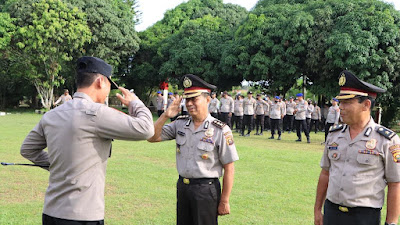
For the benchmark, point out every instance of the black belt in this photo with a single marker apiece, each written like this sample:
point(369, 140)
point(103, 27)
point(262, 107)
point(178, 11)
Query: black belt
point(346, 209)
point(197, 180)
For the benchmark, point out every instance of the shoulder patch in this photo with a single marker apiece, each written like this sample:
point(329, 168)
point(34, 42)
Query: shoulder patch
point(218, 123)
point(388, 134)
point(336, 127)
point(182, 117)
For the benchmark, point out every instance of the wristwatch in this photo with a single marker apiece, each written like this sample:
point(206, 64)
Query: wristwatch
point(390, 223)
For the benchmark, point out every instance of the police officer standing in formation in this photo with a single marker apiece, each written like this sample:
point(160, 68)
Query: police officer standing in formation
point(78, 136)
point(332, 117)
point(300, 117)
point(360, 158)
point(283, 104)
point(310, 109)
point(213, 107)
point(160, 103)
point(238, 113)
point(290, 106)
point(226, 108)
point(267, 121)
point(204, 152)
point(249, 106)
point(259, 111)
point(315, 117)
point(276, 113)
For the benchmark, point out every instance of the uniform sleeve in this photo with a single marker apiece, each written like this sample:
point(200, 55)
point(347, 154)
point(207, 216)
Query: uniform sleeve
point(226, 147)
point(337, 115)
point(113, 124)
point(325, 161)
point(232, 106)
point(33, 145)
point(392, 160)
point(169, 131)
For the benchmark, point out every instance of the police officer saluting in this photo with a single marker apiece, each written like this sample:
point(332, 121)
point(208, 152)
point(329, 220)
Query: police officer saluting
point(359, 160)
point(78, 137)
point(204, 149)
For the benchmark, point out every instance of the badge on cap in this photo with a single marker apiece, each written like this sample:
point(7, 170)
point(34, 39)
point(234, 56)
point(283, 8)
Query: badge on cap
point(187, 83)
point(209, 132)
point(371, 144)
point(342, 79)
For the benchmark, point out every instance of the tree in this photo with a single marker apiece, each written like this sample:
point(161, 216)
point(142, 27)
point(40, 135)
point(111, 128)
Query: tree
point(48, 37)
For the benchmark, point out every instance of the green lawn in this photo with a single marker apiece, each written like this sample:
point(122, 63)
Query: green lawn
point(275, 180)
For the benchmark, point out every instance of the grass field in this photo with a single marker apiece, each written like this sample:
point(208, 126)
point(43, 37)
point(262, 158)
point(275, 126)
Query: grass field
point(275, 181)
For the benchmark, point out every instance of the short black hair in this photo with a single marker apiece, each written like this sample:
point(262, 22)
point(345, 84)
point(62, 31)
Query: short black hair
point(363, 98)
point(85, 79)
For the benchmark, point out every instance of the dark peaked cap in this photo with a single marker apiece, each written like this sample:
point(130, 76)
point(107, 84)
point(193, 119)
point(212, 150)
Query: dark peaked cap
point(351, 87)
point(89, 64)
point(194, 86)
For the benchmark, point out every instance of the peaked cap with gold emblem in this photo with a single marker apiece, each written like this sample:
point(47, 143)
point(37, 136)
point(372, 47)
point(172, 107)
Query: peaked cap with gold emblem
point(351, 87)
point(194, 86)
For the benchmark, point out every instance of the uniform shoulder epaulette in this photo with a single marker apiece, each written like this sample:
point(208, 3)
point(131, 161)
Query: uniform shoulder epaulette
point(388, 134)
point(336, 127)
point(182, 117)
point(218, 123)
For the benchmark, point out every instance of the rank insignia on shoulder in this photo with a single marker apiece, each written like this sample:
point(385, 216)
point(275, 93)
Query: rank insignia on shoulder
point(336, 127)
point(218, 123)
point(388, 134)
point(182, 117)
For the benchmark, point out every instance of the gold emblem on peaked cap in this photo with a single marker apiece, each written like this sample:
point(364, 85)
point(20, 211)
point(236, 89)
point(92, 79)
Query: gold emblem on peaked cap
point(342, 79)
point(187, 83)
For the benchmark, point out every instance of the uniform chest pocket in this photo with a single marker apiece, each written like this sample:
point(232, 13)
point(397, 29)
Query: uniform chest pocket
point(367, 159)
point(180, 140)
point(334, 155)
point(205, 150)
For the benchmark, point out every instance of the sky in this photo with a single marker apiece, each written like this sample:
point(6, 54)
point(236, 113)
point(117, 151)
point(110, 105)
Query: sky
point(153, 10)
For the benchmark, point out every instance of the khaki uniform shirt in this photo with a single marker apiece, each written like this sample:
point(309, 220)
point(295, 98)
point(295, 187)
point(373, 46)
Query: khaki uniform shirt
point(160, 103)
point(310, 109)
point(249, 106)
point(290, 106)
point(78, 137)
point(227, 105)
point(201, 153)
point(359, 168)
point(301, 110)
point(238, 107)
point(266, 108)
point(260, 106)
point(316, 113)
point(333, 115)
point(276, 110)
point(214, 105)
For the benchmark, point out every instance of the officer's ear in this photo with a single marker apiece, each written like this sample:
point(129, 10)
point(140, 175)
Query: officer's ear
point(366, 105)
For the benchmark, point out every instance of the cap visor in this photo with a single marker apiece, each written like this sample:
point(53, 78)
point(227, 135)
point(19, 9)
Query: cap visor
point(113, 84)
point(343, 97)
point(191, 95)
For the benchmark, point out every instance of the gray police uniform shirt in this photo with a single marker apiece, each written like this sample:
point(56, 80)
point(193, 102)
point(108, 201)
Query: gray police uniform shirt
point(170, 101)
point(214, 105)
point(301, 107)
point(78, 136)
point(260, 107)
point(160, 103)
point(276, 111)
point(249, 106)
point(227, 105)
point(316, 113)
point(201, 153)
point(290, 106)
point(238, 111)
point(266, 108)
point(333, 115)
point(359, 168)
point(310, 109)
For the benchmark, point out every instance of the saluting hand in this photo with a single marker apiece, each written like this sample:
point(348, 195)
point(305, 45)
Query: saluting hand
point(224, 208)
point(174, 108)
point(126, 96)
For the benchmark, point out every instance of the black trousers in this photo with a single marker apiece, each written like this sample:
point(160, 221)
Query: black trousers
point(314, 123)
point(289, 122)
point(308, 121)
point(49, 220)
point(159, 112)
point(275, 124)
point(260, 122)
point(357, 215)
point(327, 126)
point(198, 201)
point(238, 120)
point(226, 118)
point(247, 121)
point(301, 124)
point(267, 123)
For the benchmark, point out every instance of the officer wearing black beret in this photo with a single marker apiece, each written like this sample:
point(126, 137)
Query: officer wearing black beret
point(360, 159)
point(205, 151)
point(78, 136)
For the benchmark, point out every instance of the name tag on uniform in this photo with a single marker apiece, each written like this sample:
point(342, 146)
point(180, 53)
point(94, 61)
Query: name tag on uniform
point(181, 133)
point(333, 146)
